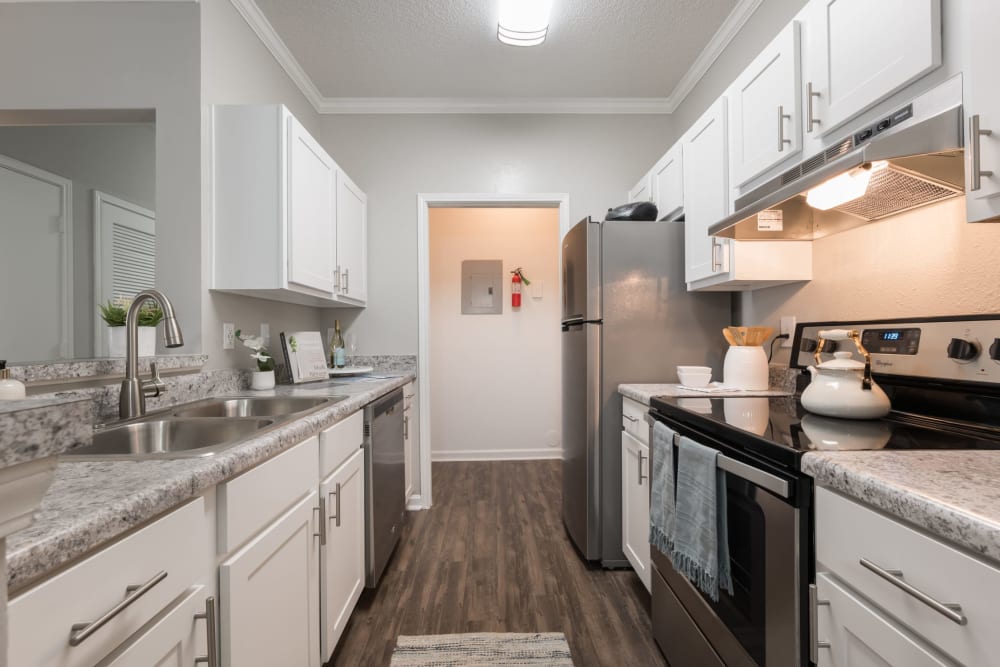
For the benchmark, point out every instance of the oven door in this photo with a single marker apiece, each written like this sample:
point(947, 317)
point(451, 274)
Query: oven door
point(761, 623)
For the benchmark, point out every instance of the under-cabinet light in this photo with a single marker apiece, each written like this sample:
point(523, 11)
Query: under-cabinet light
point(523, 22)
point(844, 187)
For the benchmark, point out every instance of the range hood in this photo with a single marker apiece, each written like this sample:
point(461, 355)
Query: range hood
point(904, 160)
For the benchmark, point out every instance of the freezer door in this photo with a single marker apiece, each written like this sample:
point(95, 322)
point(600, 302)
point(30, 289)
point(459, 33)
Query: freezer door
point(581, 271)
point(581, 344)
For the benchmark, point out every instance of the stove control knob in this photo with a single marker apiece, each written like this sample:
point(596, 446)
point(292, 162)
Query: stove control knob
point(960, 349)
point(995, 350)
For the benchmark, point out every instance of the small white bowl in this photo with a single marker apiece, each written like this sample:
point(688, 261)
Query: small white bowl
point(694, 376)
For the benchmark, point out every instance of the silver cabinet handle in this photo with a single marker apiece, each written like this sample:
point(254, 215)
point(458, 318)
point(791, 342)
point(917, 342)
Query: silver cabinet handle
point(975, 134)
point(212, 632)
point(814, 643)
point(641, 477)
point(336, 517)
point(782, 116)
point(716, 263)
point(953, 612)
point(810, 94)
point(79, 632)
point(406, 426)
point(630, 418)
point(322, 524)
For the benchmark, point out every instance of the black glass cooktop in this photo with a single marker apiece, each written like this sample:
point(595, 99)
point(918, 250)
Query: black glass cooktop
point(780, 429)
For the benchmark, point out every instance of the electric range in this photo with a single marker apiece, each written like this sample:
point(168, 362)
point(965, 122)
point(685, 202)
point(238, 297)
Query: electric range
point(942, 376)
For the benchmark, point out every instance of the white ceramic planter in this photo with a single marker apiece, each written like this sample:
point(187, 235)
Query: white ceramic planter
point(260, 380)
point(745, 367)
point(116, 341)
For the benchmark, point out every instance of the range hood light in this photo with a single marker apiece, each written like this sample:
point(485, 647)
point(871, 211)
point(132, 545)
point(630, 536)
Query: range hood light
point(523, 22)
point(842, 188)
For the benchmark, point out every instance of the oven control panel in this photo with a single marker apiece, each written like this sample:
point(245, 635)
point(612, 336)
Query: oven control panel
point(965, 348)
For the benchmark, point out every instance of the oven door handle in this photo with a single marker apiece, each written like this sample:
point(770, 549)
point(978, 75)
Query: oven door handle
point(756, 476)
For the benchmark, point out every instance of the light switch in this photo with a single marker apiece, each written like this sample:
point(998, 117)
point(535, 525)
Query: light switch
point(537, 288)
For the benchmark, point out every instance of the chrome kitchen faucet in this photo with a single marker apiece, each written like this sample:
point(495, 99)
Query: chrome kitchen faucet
point(132, 400)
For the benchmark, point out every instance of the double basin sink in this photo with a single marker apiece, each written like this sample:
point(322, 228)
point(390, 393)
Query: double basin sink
point(201, 428)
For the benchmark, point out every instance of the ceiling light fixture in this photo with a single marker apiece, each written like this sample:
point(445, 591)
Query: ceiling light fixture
point(523, 22)
point(843, 188)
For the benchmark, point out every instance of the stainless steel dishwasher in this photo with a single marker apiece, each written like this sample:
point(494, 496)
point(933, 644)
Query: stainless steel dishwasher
point(385, 481)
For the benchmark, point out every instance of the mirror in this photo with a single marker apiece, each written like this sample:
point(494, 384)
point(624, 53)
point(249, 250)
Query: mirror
point(77, 223)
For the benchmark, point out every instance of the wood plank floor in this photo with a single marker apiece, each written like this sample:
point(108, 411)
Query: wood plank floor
point(492, 556)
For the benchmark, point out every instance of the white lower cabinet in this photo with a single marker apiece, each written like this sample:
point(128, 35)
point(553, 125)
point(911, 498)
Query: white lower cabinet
point(175, 640)
point(635, 506)
point(855, 634)
point(269, 594)
point(342, 557)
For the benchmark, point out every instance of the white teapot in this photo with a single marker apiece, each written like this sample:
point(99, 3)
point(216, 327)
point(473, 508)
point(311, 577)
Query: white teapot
point(843, 387)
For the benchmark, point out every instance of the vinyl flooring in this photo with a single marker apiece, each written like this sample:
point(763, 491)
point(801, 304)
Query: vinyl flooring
point(492, 555)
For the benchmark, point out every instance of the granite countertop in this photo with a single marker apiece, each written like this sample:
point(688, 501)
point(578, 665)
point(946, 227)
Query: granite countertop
point(35, 428)
point(92, 502)
point(645, 392)
point(952, 494)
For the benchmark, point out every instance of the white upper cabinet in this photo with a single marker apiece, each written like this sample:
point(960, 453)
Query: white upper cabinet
point(706, 197)
point(982, 109)
point(641, 191)
point(859, 52)
point(352, 240)
point(279, 229)
point(765, 103)
point(312, 223)
point(667, 179)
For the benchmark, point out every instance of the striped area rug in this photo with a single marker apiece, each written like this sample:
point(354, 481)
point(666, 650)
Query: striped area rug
point(495, 649)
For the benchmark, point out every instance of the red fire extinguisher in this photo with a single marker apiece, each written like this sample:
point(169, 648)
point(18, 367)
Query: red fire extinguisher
point(515, 287)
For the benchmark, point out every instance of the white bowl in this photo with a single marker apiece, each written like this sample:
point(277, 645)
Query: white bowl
point(689, 377)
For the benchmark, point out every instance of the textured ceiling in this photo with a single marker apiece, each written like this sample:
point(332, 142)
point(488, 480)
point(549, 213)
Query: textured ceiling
point(448, 48)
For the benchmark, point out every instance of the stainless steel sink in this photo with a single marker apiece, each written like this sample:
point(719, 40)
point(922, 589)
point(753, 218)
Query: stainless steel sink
point(170, 438)
point(254, 406)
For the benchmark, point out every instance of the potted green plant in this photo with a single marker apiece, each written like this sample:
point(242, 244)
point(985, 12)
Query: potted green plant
point(114, 313)
point(263, 377)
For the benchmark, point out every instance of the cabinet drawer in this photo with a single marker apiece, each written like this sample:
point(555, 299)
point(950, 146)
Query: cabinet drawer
point(339, 442)
point(40, 619)
point(634, 419)
point(256, 498)
point(847, 532)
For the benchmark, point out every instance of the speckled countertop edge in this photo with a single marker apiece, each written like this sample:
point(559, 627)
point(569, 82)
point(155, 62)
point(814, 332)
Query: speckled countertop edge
point(645, 392)
point(92, 502)
point(952, 494)
point(33, 428)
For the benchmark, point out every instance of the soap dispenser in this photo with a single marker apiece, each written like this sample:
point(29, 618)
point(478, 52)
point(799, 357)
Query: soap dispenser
point(10, 389)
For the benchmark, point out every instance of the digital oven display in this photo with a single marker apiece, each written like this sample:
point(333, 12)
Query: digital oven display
point(891, 341)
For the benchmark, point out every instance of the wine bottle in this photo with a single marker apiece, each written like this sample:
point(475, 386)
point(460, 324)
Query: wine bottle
point(337, 345)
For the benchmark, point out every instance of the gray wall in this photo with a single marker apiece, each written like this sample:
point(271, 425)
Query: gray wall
point(123, 56)
point(116, 159)
point(238, 69)
point(593, 158)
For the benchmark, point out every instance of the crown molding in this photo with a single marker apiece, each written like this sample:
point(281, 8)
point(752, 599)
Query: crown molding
point(737, 18)
point(497, 105)
point(251, 13)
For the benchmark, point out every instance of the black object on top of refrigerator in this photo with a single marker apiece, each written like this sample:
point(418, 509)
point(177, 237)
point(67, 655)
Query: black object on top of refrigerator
point(627, 318)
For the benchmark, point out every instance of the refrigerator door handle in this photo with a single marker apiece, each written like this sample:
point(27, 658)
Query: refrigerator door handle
point(578, 322)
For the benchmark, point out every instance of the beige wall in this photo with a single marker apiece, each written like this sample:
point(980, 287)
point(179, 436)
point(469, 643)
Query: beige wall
point(595, 159)
point(495, 379)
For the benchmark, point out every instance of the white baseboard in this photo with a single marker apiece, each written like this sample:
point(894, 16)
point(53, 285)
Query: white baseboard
point(415, 503)
point(496, 455)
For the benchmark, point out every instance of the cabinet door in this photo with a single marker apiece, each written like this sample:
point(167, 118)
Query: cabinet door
point(641, 191)
point(668, 183)
point(352, 239)
point(861, 637)
point(311, 222)
point(861, 52)
point(706, 196)
point(765, 103)
point(982, 98)
point(269, 594)
point(173, 641)
point(635, 506)
point(342, 564)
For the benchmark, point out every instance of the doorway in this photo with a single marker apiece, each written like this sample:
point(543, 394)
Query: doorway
point(488, 399)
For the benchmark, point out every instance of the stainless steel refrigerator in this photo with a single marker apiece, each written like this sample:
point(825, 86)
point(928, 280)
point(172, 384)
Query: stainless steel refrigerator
point(627, 318)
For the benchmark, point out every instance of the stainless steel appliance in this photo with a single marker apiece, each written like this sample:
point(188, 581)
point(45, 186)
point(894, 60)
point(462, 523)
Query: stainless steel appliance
point(944, 384)
point(385, 505)
point(627, 317)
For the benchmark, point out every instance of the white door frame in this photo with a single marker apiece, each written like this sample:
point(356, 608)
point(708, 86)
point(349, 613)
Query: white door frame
point(66, 336)
point(424, 203)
